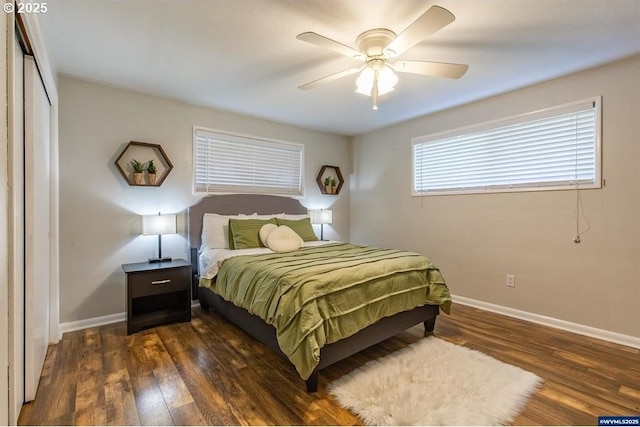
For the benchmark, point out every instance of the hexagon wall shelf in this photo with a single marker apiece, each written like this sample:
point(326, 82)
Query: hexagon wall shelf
point(144, 152)
point(327, 171)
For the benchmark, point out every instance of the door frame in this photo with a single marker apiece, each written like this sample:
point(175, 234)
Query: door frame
point(4, 234)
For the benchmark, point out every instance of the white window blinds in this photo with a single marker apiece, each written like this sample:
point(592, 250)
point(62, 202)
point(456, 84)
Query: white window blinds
point(554, 149)
point(229, 163)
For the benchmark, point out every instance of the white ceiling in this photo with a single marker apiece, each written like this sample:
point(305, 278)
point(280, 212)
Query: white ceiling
point(243, 55)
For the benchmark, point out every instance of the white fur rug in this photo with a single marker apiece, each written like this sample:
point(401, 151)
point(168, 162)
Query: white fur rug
point(434, 382)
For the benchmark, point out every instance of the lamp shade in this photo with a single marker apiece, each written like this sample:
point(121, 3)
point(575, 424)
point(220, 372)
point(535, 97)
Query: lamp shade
point(387, 80)
point(364, 83)
point(158, 224)
point(383, 78)
point(321, 216)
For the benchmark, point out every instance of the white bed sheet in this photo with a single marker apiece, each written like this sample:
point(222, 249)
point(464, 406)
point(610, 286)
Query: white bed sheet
point(209, 261)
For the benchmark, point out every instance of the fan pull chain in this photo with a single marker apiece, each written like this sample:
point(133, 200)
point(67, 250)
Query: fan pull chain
point(374, 90)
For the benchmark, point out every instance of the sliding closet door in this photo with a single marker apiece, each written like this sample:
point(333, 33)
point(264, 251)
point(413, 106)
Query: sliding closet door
point(37, 224)
point(16, 238)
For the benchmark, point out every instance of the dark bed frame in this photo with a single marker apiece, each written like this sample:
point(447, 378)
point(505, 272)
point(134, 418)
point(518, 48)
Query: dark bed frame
point(331, 353)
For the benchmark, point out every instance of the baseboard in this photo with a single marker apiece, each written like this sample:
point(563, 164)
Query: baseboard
point(92, 323)
point(589, 331)
point(614, 337)
point(100, 321)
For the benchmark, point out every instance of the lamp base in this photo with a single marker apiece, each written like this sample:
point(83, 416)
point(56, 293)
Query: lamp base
point(163, 259)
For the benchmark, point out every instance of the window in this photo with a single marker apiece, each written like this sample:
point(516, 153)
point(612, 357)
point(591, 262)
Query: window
point(231, 163)
point(558, 148)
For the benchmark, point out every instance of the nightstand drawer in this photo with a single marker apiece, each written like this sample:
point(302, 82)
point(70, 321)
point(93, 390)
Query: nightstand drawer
point(159, 282)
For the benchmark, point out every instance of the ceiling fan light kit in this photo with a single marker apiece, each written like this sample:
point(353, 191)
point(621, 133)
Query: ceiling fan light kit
point(376, 80)
point(376, 47)
point(383, 78)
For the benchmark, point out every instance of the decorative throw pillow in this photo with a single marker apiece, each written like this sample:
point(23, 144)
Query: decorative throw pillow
point(245, 233)
point(283, 239)
point(265, 230)
point(301, 226)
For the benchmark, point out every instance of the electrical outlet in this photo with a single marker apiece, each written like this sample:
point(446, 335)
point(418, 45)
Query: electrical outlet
point(511, 281)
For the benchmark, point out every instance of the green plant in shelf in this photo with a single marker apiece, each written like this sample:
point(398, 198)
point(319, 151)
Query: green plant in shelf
point(330, 185)
point(137, 166)
point(151, 168)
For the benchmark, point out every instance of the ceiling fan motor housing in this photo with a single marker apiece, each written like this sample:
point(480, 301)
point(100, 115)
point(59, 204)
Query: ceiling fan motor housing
point(373, 42)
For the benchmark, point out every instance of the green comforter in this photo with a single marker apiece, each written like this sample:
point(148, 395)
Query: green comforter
point(319, 295)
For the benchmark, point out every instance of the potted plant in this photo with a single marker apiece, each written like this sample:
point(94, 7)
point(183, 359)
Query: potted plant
point(138, 170)
point(330, 185)
point(151, 172)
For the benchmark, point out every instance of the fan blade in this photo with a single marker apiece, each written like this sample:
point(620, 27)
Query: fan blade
point(333, 45)
point(438, 69)
point(330, 78)
point(434, 19)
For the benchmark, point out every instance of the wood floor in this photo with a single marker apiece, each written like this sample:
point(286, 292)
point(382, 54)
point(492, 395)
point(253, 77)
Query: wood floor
point(210, 372)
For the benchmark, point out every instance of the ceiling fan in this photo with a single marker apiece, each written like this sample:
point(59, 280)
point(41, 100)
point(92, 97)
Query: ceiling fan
point(378, 47)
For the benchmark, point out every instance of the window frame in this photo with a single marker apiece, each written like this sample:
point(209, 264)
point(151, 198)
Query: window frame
point(249, 139)
point(507, 121)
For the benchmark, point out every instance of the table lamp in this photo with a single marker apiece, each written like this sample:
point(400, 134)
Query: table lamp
point(321, 216)
point(153, 225)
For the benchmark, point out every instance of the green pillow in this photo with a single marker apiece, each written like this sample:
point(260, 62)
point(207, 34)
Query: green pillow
point(245, 233)
point(302, 227)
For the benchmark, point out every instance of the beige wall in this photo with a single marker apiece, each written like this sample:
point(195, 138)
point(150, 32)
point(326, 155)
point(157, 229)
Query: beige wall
point(100, 214)
point(477, 239)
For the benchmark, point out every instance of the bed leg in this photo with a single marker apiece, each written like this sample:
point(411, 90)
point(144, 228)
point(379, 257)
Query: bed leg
point(204, 307)
point(430, 325)
point(312, 382)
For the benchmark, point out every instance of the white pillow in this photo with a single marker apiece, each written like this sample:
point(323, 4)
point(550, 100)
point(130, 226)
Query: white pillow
point(215, 231)
point(292, 216)
point(283, 239)
point(264, 232)
point(256, 216)
point(269, 216)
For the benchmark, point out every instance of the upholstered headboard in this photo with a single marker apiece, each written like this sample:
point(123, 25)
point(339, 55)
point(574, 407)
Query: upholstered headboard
point(232, 204)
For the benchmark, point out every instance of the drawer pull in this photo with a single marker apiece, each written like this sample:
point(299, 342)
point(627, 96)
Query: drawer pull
point(161, 282)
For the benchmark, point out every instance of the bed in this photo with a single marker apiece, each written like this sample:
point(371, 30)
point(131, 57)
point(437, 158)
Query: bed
point(212, 295)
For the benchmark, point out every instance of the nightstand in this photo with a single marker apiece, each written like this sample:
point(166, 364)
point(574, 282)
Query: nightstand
point(157, 293)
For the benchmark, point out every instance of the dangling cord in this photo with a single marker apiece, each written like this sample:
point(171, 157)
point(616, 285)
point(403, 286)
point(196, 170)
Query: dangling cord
point(579, 210)
point(576, 214)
